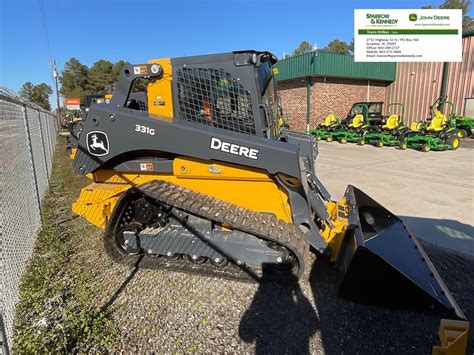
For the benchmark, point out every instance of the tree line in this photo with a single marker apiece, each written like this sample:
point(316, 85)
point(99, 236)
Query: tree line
point(39, 94)
point(78, 80)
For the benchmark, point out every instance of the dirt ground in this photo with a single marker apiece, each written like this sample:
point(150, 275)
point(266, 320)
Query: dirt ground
point(162, 311)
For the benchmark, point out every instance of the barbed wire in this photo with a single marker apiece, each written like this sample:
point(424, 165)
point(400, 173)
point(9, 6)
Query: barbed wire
point(12, 95)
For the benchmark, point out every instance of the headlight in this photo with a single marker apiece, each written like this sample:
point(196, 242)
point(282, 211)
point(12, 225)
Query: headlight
point(156, 69)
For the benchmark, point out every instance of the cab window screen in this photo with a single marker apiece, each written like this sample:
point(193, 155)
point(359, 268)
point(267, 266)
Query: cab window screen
point(213, 97)
point(264, 75)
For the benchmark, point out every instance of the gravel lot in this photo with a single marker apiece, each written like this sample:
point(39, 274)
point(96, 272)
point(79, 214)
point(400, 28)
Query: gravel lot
point(165, 311)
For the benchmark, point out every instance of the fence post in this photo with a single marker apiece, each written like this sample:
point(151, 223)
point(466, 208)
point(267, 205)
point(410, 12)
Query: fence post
point(32, 160)
point(50, 139)
point(3, 337)
point(44, 148)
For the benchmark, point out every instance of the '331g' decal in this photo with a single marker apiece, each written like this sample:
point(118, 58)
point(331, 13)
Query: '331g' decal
point(144, 129)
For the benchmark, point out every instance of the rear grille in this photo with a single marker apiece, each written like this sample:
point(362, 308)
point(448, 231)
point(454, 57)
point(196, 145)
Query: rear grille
point(212, 97)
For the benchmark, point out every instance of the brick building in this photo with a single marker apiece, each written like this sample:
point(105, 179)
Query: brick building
point(327, 95)
point(315, 84)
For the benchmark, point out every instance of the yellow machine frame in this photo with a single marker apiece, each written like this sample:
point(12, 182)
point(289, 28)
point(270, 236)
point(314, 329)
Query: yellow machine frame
point(160, 99)
point(223, 181)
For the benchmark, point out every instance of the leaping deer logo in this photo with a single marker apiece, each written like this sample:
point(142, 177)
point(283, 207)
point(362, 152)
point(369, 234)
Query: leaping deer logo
point(97, 143)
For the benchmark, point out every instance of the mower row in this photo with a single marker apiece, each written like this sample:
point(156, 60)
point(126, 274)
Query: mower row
point(440, 132)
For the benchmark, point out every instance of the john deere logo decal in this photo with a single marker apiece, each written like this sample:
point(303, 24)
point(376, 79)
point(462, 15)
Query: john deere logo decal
point(413, 17)
point(97, 143)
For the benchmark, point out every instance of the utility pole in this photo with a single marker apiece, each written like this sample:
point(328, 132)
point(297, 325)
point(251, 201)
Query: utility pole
point(55, 75)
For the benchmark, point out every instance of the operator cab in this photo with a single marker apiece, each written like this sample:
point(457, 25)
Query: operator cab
point(234, 91)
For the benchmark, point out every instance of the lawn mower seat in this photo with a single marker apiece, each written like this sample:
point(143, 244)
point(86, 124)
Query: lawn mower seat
point(357, 121)
point(416, 126)
point(438, 122)
point(329, 121)
point(392, 123)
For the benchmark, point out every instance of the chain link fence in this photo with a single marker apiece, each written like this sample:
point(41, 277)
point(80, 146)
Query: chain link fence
point(27, 141)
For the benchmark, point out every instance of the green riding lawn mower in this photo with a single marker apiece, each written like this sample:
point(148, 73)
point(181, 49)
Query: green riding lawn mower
point(354, 131)
point(391, 133)
point(465, 126)
point(324, 130)
point(438, 133)
point(360, 116)
point(365, 124)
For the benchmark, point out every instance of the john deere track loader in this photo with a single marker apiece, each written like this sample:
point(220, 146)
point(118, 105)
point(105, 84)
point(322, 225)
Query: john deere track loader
point(205, 181)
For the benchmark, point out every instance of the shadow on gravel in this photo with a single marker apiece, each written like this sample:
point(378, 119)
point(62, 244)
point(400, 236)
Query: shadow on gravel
point(122, 287)
point(280, 319)
point(355, 328)
point(445, 233)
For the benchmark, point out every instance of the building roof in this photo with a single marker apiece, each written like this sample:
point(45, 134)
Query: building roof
point(469, 31)
point(323, 63)
point(326, 64)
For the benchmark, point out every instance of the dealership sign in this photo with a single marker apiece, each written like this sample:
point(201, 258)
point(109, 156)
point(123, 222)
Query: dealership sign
point(408, 35)
point(73, 104)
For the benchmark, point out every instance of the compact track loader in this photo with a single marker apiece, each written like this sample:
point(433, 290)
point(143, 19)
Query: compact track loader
point(206, 181)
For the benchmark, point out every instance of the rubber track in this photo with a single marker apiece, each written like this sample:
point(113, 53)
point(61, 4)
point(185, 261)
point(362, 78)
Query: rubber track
point(264, 226)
